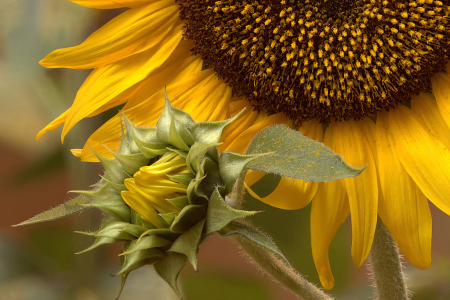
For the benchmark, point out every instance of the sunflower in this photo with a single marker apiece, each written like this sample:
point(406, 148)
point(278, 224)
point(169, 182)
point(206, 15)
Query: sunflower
point(371, 71)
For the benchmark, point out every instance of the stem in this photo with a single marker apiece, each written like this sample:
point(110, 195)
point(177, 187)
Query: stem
point(386, 266)
point(281, 272)
point(237, 196)
point(273, 266)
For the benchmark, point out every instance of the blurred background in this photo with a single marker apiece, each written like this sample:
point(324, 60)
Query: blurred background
point(37, 262)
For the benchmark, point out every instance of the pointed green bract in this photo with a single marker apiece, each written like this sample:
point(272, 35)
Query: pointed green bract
point(140, 258)
point(169, 267)
point(220, 214)
point(147, 242)
point(188, 242)
point(231, 165)
point(297, 156)
point(187, 217)
point(73, 206)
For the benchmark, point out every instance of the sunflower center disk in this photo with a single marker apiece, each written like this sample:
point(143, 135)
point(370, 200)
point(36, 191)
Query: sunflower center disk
point(322, 59)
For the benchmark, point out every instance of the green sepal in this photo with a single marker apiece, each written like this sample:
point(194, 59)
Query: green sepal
point(188, 242)
point(151, 150)
point(114, 170)
point(296, 156)
point(231, 165)
point(131, 162)
point(212, 177)
point(161, 232)
point(169, 267)
point(179, 136)
point(134, 230)
point(124, 275)
point(131, 146)
point(219, 213)
point(196, 153)
point(118, 187)
point(119, 230)
point(99, 242)
point(169, 217)
point(182, 153)
point(187, 217)
point(103, 190)
point(140, 258)
point(73, 206)
point(113, 205)
point(179, 202)
point(253, 235)
point(194, 199)
point(165, 120)
point(183, 179)
point(211, 132)
point(146, 242)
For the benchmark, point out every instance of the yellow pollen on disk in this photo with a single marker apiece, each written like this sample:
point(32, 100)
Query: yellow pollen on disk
point(322, 59)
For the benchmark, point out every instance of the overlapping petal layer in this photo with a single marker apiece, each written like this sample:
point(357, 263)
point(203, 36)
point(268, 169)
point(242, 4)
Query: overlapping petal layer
point(402, 206)
point(141, 51)
point(132, 32)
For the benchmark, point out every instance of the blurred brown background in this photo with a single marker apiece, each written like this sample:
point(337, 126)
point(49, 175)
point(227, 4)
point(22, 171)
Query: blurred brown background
point(37, 262)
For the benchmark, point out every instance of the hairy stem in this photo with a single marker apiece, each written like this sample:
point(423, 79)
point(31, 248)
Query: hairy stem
point(281, 272)
point(386, 266)
point(275, 267)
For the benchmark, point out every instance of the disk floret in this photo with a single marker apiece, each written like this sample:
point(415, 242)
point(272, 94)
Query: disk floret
point(322, 59)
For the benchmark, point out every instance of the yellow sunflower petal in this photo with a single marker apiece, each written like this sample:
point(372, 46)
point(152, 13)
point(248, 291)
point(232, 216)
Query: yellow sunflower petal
point(105, 83)
point(441, 90)
point(245, 120)
point(110, 4)
point(403, 208)
point(132, 32)
point(329, 209)
point(425, 158)
point(53, 125)
point(426, 108)
point(290, 194)
point(362, 191)
point(142, 207)
point(182, 91)
point(241, 143)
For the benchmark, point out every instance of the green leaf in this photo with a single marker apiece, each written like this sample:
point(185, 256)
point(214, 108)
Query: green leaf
point(169, 267)
point(219, 213)
point(147, 242)
point(66, 209)
point(297, 156)
point(188, 242)
point(187, 217)
point(231, 165)
point(183, 178)
point(252, 234)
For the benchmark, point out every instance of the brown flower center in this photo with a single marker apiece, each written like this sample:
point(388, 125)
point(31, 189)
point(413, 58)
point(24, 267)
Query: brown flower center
point(322, 59)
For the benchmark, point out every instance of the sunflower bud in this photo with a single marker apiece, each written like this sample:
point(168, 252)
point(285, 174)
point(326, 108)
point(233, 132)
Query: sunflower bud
point(164, 192)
